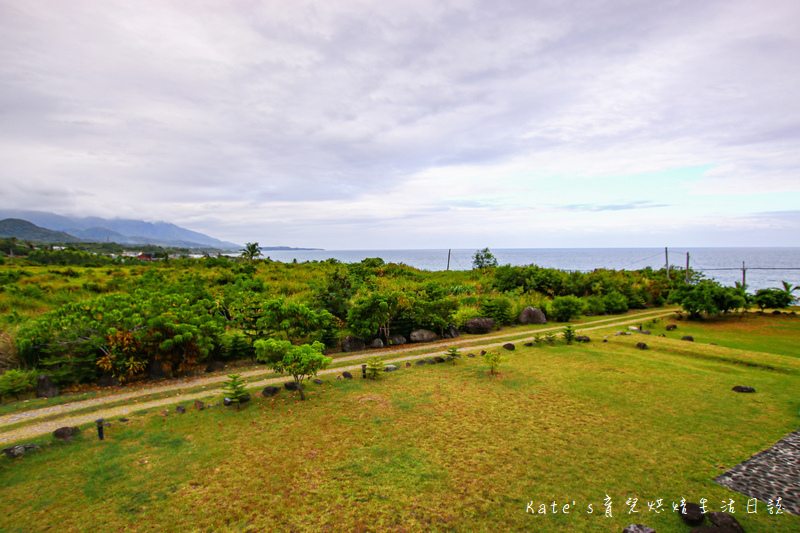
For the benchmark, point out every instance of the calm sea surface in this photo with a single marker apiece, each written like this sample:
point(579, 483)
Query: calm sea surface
point(706, 260)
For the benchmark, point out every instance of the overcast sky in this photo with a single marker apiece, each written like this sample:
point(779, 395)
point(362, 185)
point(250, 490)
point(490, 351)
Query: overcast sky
point(410, 124)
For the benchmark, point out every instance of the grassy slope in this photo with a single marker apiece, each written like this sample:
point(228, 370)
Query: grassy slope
point(444, 448)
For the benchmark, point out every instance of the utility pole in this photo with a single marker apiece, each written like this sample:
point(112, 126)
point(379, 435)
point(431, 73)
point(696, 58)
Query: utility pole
point(687, 267)
point(448, 259)
point(666, 252)
point(744, 276)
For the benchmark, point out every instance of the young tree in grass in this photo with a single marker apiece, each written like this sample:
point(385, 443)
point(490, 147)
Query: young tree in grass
point(301, 362)
point(569, 333)
point(452, 353)
point(492, 359)
point(374, 368)
point(233, 389)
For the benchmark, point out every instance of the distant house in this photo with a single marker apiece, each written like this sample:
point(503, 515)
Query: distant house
point(145, 257)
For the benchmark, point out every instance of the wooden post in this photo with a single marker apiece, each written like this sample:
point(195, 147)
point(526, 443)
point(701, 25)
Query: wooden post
point(448, 259)
point(666, 252)
point(687, 267)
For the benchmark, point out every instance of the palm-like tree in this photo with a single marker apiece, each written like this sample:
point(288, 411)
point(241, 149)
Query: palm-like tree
point(788, 290)
point(251, 250)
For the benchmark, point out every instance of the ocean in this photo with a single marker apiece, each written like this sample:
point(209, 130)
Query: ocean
point(765, 267)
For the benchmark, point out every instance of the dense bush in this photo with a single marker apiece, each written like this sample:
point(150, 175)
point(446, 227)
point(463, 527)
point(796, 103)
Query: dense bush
point(565, 308)
point(17, 382)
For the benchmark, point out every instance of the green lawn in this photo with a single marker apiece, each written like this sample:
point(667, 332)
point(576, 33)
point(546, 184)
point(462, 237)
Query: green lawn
point(444, 448)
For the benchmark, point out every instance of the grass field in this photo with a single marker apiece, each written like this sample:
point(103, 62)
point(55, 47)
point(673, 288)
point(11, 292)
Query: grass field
point(446, 447)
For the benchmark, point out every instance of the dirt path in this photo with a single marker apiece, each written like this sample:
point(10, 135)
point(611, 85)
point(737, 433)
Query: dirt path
point(389, 357)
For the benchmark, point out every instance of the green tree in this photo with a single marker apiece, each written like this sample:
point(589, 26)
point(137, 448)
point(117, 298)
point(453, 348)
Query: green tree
point(251, 250)
point(788, 289)
point(295, 320)
point(374, 313)
point(483, 259)
point(772, 299)
point(301, 362)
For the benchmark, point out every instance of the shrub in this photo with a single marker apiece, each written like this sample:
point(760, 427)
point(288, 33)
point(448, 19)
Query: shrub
point(565, 308)
point(772, 299)
point(615, 303)
point(595, 305)
point(17, 382)
point(499, 309)
point(464, 314)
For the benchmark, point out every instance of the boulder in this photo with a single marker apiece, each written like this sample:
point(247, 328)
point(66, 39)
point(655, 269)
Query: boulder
point(470, 354)
point(20, 449)
point(352, 344)
point(199, 405)
point(215, 366)
point(317, 381)
point(582, 338)
point(662, 335)
point(687, 338)
point(671, 327)
point(397, 340)
point(638, 528)
point(645, 332)
point(431, 361)
point(633, 328)
point(347, 375)
point(692, 514)
point(641, 345)
point(532, 315)
point(439, 359)
point(423, 335)
point(528, 344)
point(509, 346)
point(376, 344)
point(107, 380)
point(164, 413)
point(479, 326)
point(270, 391)
point(483, 352)
point(776, 312)
point(421, 362)
point(227, 402)
point(291, 386)
point(244, 398)
point(45, 388)
point(390, 368)
point(724, 520)
point(408, 365)
point(180, 409)
point(66, 433)
point(709, 529)
point(742, 388)
point(451, 332)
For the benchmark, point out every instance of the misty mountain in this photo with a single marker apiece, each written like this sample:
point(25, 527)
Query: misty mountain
point(25, 231)
point(121, 231)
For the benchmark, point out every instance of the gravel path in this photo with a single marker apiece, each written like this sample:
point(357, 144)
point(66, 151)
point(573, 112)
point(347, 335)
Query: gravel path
point(389, 357)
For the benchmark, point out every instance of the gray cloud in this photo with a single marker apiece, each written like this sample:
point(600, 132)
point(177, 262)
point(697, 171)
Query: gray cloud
point(182, 112)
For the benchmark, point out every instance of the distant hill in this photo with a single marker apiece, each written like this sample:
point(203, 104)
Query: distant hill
point(25, 231)
point(120, 230)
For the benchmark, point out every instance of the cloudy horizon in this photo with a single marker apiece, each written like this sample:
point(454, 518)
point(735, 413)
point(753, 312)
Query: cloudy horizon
point(409, 124)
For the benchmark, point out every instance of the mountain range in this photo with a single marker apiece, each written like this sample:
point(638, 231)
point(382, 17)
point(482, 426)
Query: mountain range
point(121, 231)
